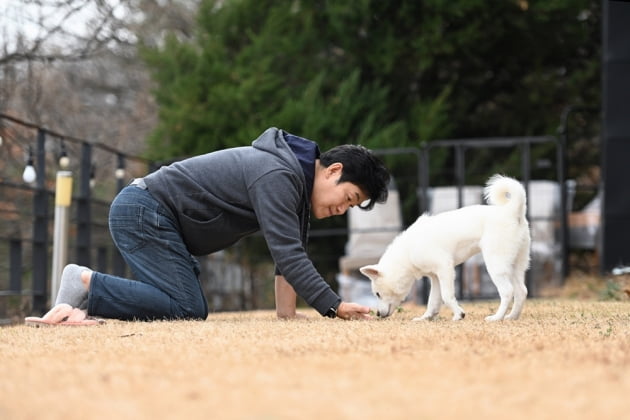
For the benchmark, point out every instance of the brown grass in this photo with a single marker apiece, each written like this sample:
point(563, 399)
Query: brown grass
point(564, 359)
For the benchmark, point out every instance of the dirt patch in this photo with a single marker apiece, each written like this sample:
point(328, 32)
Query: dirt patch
point(563, 359)
point(583, 285)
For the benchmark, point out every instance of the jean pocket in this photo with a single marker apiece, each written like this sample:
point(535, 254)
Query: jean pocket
point(126, 226)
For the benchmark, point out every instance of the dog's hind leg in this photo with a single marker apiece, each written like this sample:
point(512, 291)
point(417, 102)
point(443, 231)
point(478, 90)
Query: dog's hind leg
point(434, 303)
point(500, 265)
point(446, 279)
point(520, 294)
point(501, 279)
point(518, 281)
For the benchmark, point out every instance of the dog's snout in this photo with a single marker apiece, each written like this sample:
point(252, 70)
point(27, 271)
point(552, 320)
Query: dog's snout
point(384, 313)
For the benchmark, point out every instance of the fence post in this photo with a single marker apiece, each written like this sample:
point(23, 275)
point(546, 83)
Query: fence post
point(460, 180)
point(119, 265)
point(15, 265)
point(84, 215)
point(40, 228)
point(101, 259)
point(526, 170)
point(561, 157)
point(63, 198)
point(423, 176)
point(460, 173)
point(120, 172)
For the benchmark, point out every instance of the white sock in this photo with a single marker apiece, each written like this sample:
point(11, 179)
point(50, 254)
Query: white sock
point(71, 290)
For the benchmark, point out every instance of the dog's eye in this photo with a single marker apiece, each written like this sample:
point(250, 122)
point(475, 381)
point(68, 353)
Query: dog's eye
point(378, 295)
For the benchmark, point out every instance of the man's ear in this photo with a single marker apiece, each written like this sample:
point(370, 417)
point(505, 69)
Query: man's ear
point(370, 271)
point(334, 169)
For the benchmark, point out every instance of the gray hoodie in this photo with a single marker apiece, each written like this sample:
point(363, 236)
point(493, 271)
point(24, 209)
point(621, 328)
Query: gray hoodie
point(220, 197)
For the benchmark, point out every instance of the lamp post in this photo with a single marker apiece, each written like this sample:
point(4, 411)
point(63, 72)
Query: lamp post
point(63, 199)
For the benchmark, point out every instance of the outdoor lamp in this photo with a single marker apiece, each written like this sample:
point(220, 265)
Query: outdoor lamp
point(64, 160)
point(29, 176)
point(92, 176)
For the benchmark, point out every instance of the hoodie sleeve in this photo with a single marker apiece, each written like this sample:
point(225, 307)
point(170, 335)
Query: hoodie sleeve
point(275, 197)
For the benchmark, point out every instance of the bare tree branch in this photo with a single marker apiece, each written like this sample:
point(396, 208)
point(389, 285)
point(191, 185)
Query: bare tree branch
point(57, 38)
point(72, 65)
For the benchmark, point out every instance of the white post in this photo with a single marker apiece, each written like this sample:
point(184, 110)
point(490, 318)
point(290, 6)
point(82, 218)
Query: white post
point(63, 198)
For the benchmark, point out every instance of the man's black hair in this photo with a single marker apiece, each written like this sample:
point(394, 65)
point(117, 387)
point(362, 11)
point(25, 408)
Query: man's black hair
point(362, 168)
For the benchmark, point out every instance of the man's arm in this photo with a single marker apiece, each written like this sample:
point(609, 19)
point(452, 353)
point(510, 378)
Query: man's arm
point(286, 301)
point(286, 298)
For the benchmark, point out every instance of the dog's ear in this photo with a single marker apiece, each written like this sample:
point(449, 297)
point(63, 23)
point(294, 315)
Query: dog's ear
point(370, 271)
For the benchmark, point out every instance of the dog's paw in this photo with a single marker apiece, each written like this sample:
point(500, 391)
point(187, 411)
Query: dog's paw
point(459, 316)
point(493, 318)
point(424, 318)
point(427, 316)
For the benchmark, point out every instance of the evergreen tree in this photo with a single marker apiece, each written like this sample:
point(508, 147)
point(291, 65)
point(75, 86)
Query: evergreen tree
point(384, 74)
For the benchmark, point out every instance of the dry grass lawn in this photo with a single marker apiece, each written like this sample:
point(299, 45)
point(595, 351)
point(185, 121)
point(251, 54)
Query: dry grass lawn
point(565, 359)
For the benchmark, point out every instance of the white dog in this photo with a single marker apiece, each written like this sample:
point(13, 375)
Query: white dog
point(434, 245)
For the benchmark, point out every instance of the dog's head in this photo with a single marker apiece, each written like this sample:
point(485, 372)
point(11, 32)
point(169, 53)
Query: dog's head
point(389, 289)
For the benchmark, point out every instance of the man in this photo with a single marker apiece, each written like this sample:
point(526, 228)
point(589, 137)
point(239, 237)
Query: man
point(205, 204)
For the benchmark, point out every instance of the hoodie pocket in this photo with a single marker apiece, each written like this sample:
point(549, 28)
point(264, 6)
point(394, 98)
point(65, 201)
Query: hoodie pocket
point(214, 233)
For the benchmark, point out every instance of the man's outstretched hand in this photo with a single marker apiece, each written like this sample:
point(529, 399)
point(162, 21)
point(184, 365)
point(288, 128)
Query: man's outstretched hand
point(351, 311)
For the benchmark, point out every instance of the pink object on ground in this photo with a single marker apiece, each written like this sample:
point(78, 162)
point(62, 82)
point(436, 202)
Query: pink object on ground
point(63, 315)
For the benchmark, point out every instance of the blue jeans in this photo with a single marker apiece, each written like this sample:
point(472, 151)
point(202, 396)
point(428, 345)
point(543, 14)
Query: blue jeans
point(166, 284)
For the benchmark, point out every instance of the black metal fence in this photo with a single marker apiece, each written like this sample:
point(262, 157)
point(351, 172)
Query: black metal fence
point(532, 167)
point(231, 281)
point(30, 156)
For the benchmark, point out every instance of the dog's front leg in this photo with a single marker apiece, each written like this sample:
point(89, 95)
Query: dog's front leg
point(447, 285)
point(434, 303)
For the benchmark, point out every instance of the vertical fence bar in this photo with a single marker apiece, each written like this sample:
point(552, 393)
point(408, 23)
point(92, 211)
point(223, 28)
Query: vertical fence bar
point(423, 174)
point(15, 265)
point(420, 194)
point(84, 213)
point(526, 170)
point(460, 173)
point(119, 265)
point(561, 158)
point(101, 259)
point(120, 172)
point(460, 178)
point(40, 228)
point(526, 166)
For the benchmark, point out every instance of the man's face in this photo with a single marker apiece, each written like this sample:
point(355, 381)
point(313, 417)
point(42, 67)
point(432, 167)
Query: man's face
point(330, 198)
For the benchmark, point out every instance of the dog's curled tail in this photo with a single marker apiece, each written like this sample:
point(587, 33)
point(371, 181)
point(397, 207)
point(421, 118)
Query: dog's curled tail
point(502, 190)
